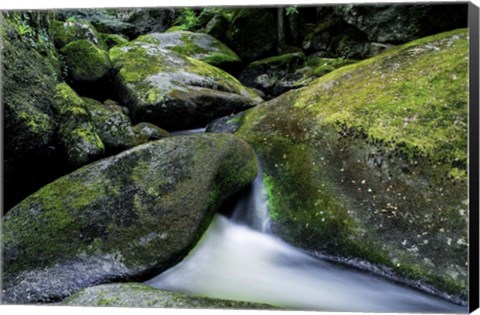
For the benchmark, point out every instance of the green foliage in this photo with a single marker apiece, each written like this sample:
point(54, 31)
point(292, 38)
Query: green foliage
point(291, 10)
point(187, 19)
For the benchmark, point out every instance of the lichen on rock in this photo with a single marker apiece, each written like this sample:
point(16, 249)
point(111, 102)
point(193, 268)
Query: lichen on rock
point(195, 45)
point(369, 161)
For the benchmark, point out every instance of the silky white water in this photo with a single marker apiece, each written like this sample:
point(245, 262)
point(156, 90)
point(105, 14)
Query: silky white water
point(237, 260)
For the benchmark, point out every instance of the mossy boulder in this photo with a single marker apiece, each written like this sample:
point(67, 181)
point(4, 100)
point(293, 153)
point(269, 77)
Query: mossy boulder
point(29, 77)
point(174, 91)
point(89, 130)
point(195, 45)
point(88, 66)
point(77, 133)
point(67, 32)
point(127, 217)
point(140, 295)
point(113, 127)
point(370, 162)
point(252, 34)
point(104, 20)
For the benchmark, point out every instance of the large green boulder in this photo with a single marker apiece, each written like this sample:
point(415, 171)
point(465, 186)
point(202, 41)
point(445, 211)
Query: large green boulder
point(174, 91)
point(196, 45)
point(252, 34)
point(370, 162)
point(140, 295)
point(127, 217)
point(88, 66)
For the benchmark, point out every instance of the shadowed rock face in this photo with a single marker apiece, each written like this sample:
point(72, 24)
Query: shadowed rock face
point(369, 161)
point(173, 91)
point(130, 216)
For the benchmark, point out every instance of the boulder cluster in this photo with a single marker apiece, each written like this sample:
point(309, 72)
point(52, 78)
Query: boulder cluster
point(357, 114)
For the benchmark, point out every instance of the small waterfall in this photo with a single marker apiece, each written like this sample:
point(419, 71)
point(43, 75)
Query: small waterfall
point(256, 202)
point(236, 260)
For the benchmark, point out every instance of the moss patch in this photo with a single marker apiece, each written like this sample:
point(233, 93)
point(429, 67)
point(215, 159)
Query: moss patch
point(86, 62)
point(369, 161)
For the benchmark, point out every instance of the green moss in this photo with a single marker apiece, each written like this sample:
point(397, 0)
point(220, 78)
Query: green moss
point(65, 97)
point(135, 63)
point(111, 40)
point(430, 89)
point(322, 66)
point(56, 230)
point(176, 29)
point(196, 45)
point(85, 61)
point(369, 161)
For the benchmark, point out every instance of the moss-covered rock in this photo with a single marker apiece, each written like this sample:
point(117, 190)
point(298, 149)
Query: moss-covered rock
point(90, 130)
point(67, 32)
point(113, 127)
point(127, 217)
point(252, 34)
point(174, 91)
point(29, 77)
point(104, 20)
point(370, 161)
point(195, 45)
point(140, 295)
point(87, 65)
point(77, 133)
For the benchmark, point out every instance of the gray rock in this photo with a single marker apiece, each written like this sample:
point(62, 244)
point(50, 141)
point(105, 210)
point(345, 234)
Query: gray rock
point(196, 45)
point(139, 295)
point(127, 217)
point(399, 23)
point(173, 91)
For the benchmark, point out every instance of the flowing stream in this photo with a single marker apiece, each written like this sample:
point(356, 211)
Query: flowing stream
point(238, 259)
